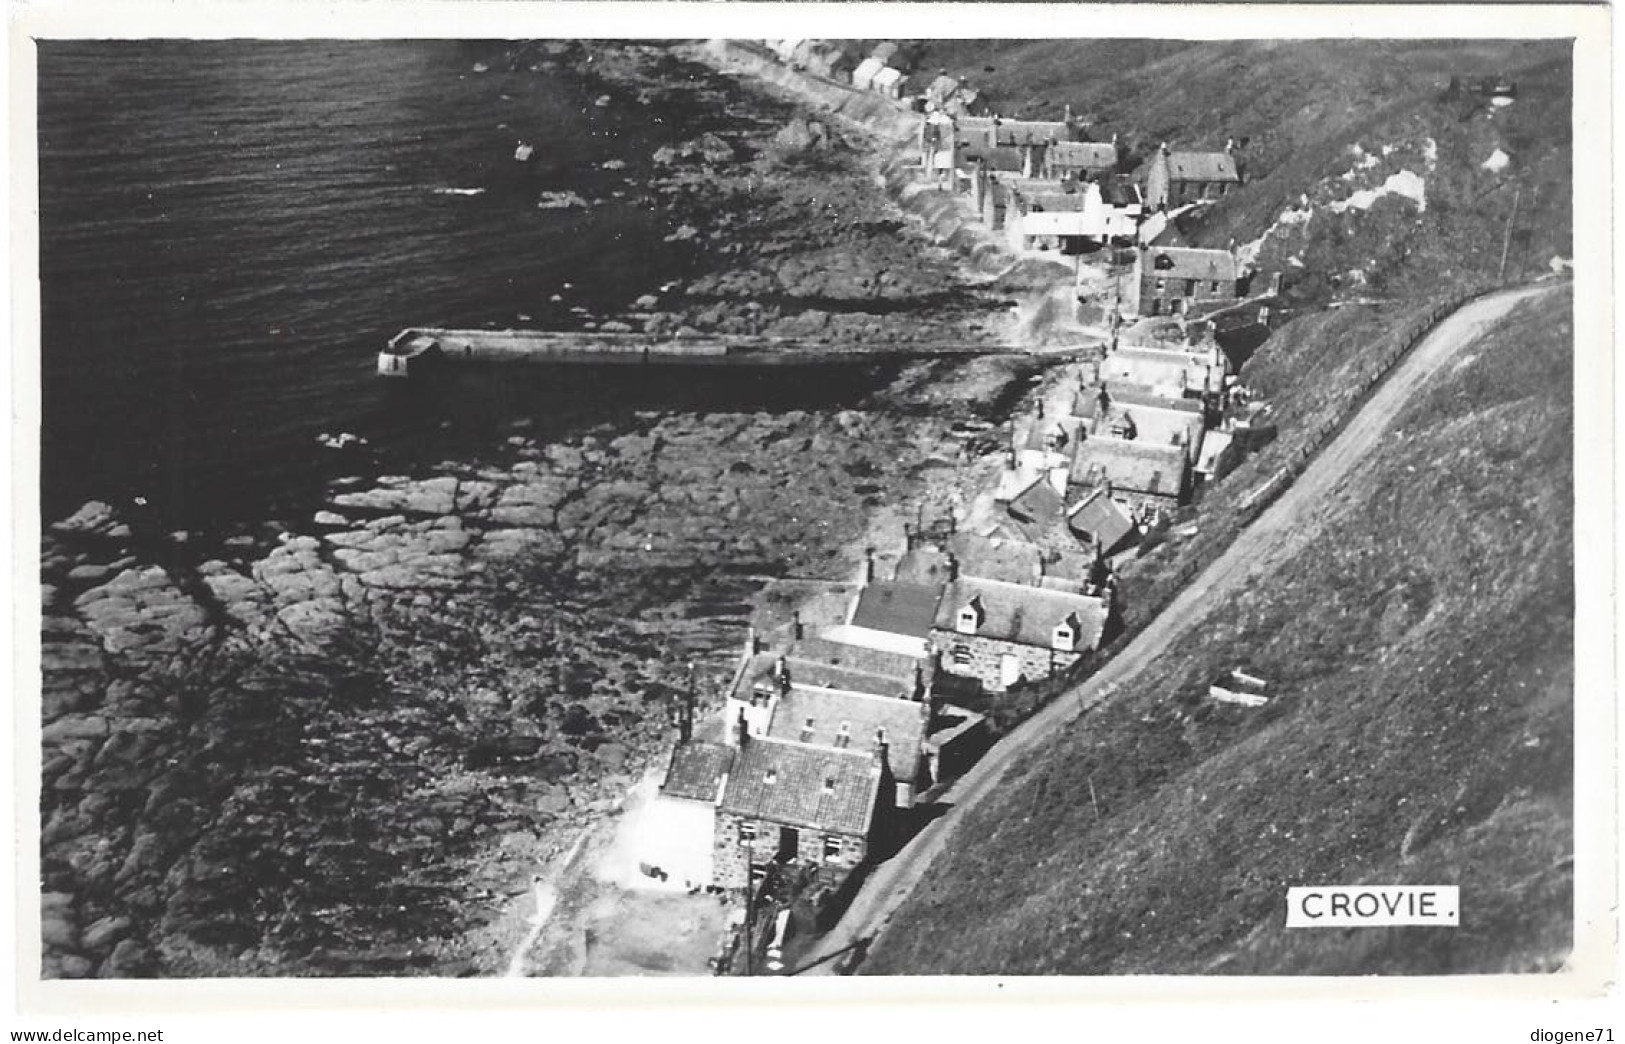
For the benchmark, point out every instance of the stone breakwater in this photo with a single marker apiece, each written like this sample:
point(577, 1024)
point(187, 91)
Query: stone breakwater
point(342, 750)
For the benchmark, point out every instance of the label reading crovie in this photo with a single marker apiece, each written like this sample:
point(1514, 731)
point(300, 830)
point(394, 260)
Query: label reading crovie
point(1373, 906)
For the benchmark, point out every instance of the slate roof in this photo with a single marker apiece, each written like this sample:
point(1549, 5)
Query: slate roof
point(829, 676)
point(1021, 614)
point(1054, 202)
point(902, 722)
point(1133, 465)
point(819, 788)
point(1102, 518)
point(898, 607)
point(875, 662)
point(1202, 166)
point(1037, 503)
point(1153, 424)
point(1031, 132)
point(1002, 158)
point(1188, 263)
point(1084, 155)
point(1152, 367)
point(696, 769)
point(1132, 396)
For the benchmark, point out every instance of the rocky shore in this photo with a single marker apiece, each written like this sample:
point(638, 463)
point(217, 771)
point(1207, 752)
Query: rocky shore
point(342, 744)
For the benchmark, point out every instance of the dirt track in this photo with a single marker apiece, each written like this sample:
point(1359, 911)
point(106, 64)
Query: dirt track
point(1273, 536)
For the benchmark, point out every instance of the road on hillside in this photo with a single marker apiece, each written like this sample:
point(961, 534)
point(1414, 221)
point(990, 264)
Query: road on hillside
point(1275, 535)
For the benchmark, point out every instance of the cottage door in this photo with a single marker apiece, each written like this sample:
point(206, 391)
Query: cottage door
point(789, 844)
point(1009, 669)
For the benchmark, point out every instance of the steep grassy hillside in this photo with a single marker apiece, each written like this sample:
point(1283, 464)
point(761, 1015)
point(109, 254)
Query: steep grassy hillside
point(1421, 647)
point(1317, 123)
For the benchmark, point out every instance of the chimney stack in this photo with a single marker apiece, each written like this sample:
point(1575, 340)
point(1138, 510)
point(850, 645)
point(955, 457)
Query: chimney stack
point(685, 723)
point(868, 565)
point(753, 641)
point(795, 625)
point(953, 566)
point(742, 731)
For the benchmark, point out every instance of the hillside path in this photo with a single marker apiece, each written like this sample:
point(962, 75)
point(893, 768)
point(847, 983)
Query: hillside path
point(1279, 531)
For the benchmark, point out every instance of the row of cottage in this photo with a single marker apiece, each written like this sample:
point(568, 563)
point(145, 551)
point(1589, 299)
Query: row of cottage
point(834, 726)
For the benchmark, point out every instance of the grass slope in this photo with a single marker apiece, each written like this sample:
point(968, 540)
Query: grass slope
point(1421, 646)
point(1306, 115)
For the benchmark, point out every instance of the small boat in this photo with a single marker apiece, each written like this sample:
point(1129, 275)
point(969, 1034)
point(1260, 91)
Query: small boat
point(523, 152)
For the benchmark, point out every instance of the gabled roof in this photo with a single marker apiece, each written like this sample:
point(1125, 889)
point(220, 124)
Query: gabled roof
point(887, 77)
point(1132, 465)
point(1153, 424)
point(999, 557)
point(1031, 132)
point(1188, 263)
point(1021, 614)
point(864, 74)
point(898, 607)
point(1083, 155)
point(1037, 503)
point(819, 788)
point(862, 720)
point(696, 770)
point(894, 667)
point(1202, 166)
point(1103, 519)
point(1155, 368)
point(829, 676)
point(1002, 158)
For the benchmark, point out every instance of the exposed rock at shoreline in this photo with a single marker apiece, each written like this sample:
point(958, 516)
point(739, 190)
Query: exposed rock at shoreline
point(519, 626)
point(337, 751)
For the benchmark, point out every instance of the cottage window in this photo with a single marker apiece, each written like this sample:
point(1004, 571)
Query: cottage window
point(832, 849)
point(1190, 288)
point(807, 731)
point(843, 735)
point(1214, 287)
point(1064, 638)
point(961, 654)
point(1162, 286)
point(747, 833)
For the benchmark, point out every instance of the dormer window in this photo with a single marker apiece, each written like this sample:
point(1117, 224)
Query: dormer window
point(772, 776)
point(807, 731)
point(829, 784)
point(1067, 632)
point(971, 616)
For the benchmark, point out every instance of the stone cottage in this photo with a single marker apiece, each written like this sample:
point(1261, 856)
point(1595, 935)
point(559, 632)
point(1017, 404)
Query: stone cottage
point(811, 807)
point(1001, 633)
point(1177, 178)
point(1181, 280)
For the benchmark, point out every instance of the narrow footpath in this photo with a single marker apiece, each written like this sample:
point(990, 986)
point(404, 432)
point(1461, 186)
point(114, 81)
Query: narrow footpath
point(1273, 537)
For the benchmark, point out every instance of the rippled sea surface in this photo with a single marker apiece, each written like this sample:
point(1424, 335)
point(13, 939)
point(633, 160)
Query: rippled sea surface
point(230, 230)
